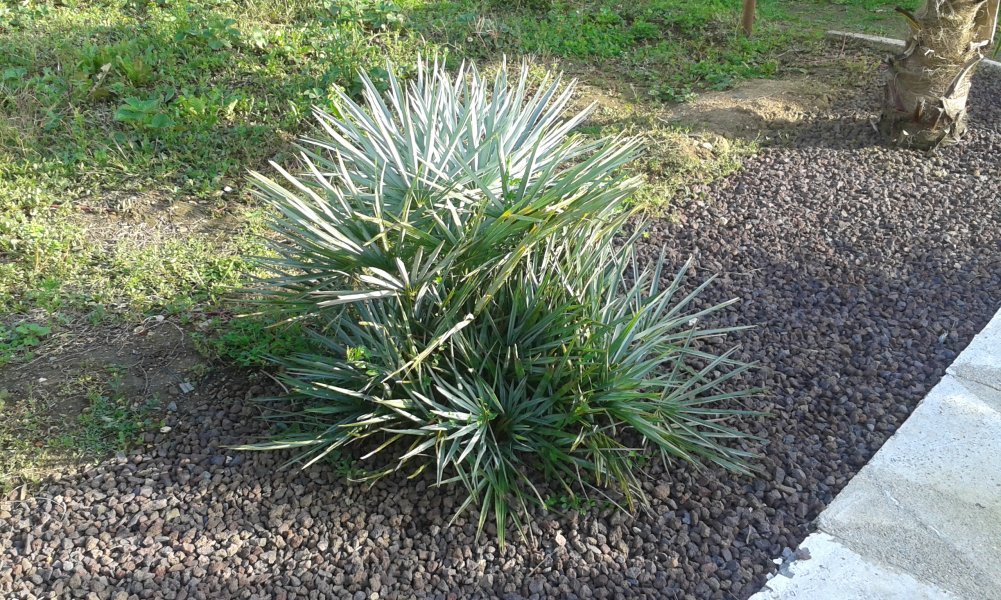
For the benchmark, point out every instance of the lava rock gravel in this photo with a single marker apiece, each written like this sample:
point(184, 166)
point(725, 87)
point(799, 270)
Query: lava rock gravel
point(866, 271)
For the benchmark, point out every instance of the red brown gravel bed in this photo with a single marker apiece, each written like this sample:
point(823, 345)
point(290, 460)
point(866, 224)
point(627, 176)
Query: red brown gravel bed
point(866, 270)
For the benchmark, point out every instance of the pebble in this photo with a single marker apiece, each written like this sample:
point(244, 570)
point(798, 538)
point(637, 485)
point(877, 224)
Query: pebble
point(842, 252)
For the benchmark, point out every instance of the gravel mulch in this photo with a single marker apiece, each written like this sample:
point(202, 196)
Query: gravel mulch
point(867, 269)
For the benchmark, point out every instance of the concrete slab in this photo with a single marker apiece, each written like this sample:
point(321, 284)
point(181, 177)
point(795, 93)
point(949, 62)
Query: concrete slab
point(923, 518)
point(929, 502)
point(893, 45)
point(981, 361)
point(875, 41)
point(834, 572)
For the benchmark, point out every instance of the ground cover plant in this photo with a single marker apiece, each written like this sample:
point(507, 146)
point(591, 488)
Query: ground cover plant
point(126, 128)
point(454, 249)
point(848, 254)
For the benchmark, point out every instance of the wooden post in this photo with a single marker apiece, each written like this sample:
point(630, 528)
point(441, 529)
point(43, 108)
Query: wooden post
point(747, 21)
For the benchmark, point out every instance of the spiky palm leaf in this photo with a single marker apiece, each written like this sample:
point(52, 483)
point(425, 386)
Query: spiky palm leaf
point(453, 247)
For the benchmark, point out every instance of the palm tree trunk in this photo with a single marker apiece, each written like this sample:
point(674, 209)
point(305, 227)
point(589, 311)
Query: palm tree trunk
point(924, 103)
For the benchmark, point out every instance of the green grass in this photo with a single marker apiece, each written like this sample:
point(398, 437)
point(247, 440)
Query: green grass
point(675, 47)
point(58, 263)
point(171, 99)
point(185, 95)
point(248, 341)
point(863, 16)
point(674, 158)
point(22, 442)
point(106, 105)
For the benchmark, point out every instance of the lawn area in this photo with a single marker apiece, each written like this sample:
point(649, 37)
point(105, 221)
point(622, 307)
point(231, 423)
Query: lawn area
point(628, 331)
point(127, 129)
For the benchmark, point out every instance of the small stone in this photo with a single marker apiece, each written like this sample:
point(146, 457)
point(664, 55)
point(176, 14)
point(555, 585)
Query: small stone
point(662, 492)
point(536, 585)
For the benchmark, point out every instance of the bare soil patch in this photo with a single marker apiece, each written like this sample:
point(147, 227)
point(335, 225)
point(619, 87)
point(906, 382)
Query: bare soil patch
point(132, 370)
point(149, 218)
point(755, 106)
point(152, 357)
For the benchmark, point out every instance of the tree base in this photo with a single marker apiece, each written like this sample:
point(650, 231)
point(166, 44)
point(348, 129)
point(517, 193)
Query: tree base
point(902, 129)
point(924, 101)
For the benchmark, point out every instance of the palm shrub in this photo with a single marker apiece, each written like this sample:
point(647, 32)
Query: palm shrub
point(454, 249)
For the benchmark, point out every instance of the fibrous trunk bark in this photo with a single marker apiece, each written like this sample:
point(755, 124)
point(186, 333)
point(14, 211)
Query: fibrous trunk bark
point(924, 103)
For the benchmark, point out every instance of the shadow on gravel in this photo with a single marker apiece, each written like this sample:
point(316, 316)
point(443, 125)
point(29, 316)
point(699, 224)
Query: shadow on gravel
point(188, 518)
point(853, 119)
point(866, 270)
